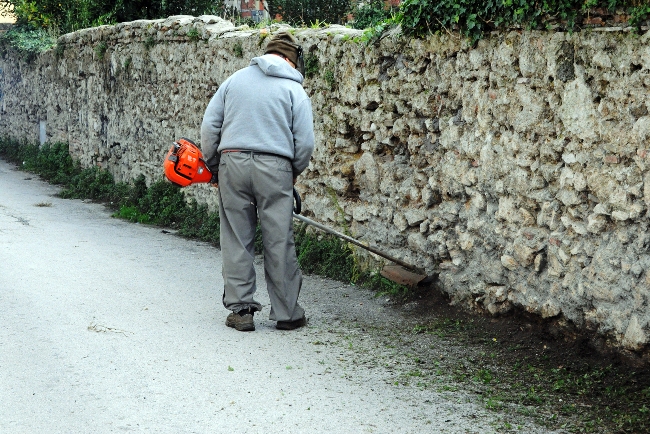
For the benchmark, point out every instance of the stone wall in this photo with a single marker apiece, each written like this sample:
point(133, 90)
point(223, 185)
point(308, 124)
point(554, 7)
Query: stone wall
point(518, 167)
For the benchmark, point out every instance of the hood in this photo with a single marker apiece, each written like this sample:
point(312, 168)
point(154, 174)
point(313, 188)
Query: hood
point(276, 66)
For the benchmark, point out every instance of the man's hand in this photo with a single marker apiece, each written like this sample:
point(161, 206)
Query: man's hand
point(215, 180)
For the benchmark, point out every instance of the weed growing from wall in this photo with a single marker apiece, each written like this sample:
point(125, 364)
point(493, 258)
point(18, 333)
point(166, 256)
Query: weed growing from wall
point(59, 50)
point(330, 79)
point(263, 36)
point(334, 201)
point(194, 35)
point(149, 42)
point(311, 65)
point(100, 50)
point(238, 50)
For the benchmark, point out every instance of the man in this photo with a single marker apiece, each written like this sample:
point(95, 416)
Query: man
point(258, 136)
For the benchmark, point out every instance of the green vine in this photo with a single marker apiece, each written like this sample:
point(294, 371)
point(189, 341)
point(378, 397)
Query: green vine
point(473, 18)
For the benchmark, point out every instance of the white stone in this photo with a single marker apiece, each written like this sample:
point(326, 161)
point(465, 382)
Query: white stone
point(414, 216)
point(602, 60)
point(641, 129)
point(620, 216)
point(507, 210)
point(635, 337)
point(400, 222)
point(563, 256)
point(569, 158)
point(550, 309)
point(601, 209)
point(367, 172)
point(465, 240)
point(539, 262)
point(524, 255)
point(509, 262)
point(578, 112)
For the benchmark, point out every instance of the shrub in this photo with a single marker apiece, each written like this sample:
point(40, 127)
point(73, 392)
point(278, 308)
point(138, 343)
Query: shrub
point(28, 41)
point(371, 13)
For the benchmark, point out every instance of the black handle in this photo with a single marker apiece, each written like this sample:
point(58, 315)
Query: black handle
point(298, 205)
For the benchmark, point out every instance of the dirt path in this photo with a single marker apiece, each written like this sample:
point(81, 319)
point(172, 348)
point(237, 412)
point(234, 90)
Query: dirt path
point(109, 326)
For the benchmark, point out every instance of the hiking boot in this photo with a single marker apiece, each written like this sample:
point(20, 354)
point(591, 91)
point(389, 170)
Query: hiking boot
point(291, 325)
point(242, 323)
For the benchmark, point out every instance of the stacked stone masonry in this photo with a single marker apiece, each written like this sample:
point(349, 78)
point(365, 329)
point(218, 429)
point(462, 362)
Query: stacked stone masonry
point(519, 167)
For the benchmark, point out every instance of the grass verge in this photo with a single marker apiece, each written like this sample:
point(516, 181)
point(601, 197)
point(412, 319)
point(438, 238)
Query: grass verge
point(165, 204)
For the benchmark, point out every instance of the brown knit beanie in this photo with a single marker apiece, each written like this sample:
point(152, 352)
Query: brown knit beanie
point(284, 43)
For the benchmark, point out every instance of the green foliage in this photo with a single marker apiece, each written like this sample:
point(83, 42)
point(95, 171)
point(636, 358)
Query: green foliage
point(132, 213)
point(28, 40)
point(100, 49)
point(164, 204)
point(238, 50)
point(32, 12)
point(51, 161)
point(311, 65)
point(382, 286)
point(93, 183)
point(194, 35)
point(330, 79)
point(59, 50)
point(307, 12)
point(263, 36)
point(329, 256)
point(473, 18)
point(372, 13)
point(325, 255)
point(639, 14)
point(150, 42)
point(71, 15)
point(199, 223)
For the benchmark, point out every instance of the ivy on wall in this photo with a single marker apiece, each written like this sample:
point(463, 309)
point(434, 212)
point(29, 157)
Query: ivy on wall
point(474, 18)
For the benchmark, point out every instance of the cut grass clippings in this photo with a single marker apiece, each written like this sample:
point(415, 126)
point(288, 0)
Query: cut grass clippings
point(165, 204)
point(519, 367)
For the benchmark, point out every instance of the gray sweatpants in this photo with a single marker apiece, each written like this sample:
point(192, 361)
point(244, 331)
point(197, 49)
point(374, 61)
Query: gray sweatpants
point(252, 185)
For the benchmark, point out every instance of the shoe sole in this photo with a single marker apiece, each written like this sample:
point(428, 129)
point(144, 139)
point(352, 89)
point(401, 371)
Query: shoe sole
point(291, 325)
point(245, 327)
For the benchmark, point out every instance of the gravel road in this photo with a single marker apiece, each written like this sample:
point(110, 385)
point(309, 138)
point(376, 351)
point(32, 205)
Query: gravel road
point(109, 326)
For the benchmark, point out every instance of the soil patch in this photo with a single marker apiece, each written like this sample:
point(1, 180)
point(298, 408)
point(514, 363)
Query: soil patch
point(565, 378)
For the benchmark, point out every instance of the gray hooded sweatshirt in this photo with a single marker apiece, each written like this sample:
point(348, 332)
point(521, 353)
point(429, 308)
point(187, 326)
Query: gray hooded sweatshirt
point(262, 108)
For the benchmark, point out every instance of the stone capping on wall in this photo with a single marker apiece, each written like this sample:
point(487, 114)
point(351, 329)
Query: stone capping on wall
point(519, 166)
